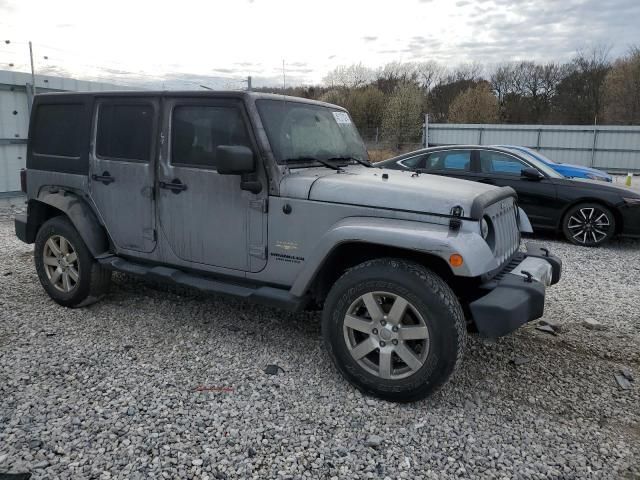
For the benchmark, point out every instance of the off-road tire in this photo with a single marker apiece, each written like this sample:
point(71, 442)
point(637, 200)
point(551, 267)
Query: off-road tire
point(431, 297)
point(570, 226)
point(93, 280)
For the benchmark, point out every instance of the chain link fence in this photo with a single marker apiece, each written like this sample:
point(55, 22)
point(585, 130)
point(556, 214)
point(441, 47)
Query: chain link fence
point(381, 147)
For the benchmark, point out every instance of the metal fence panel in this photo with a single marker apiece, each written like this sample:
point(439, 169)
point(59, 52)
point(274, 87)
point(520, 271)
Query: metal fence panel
point(12, 159)
point(612, 148)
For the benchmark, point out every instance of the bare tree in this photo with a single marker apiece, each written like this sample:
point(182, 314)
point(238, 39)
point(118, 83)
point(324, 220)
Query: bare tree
point(349, 76)
point(428, 73)
point(470, 72)
point(394, 74)
point(622, 90)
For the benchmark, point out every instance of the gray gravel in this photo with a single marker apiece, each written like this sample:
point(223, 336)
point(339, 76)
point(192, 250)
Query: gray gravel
point(152, 384)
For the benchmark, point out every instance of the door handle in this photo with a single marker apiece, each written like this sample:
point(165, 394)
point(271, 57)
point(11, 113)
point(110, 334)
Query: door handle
point(105, 178)
point(487, 181)
point(176, 186)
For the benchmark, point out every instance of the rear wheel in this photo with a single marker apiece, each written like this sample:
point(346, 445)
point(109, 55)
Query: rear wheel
point(589, 224)
point(66, 269)
point(394, 329)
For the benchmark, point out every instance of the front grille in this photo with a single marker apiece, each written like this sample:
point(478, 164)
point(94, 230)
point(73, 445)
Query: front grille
point(505, 239)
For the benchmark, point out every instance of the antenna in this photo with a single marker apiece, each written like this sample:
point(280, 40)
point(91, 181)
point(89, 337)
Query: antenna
point(284, 78)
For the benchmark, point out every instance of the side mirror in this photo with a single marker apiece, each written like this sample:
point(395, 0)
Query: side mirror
point(234, 160)
point(531, 173)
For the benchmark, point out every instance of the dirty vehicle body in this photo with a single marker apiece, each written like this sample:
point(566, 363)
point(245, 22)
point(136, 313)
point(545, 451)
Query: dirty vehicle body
point(272, 199)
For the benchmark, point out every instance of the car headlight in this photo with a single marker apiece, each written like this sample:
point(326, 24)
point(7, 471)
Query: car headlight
point(632, 201)
point(484, 228)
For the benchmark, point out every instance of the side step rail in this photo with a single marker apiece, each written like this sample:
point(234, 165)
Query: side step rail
point(271, 296)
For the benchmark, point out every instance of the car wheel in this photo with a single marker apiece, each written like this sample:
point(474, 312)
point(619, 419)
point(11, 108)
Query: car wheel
point(589, 224)
point(66, 269)
point(394, 329)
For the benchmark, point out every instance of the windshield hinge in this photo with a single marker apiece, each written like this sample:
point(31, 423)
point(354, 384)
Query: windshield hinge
point(262, 205)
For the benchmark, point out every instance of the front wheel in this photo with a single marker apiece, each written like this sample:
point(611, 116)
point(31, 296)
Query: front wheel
point(589, 224)
point(67, 271)
point(394, 329)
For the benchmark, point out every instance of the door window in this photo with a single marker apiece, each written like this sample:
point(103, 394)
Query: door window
point(496, 162)
point(125, 131)
point(453, 161)
point(197, 131)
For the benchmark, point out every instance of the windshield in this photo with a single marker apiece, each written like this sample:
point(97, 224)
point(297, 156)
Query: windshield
point(300, 132)
point(540, 165)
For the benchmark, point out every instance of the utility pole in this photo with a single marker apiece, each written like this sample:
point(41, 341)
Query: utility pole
point(33, 73)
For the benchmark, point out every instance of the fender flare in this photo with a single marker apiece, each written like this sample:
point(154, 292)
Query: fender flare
point(428, 238)
point(81, 216)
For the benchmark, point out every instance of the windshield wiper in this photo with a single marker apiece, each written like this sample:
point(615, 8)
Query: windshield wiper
point(326, 163)
point(359, 160)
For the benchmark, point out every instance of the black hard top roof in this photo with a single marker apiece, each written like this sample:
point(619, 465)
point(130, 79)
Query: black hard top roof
point(187, 93)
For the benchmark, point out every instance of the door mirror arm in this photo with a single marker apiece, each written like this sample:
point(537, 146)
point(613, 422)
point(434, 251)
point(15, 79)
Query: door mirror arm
point(250, 185)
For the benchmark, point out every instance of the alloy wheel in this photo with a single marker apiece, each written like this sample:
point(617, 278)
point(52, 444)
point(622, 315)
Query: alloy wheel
point(61, 263)
point(589, 225)
point(386, 335)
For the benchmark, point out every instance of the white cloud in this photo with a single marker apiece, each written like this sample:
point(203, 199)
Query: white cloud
point(235, 38)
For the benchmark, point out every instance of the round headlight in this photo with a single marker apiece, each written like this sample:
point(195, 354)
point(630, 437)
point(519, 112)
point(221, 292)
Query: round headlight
point(484, 228)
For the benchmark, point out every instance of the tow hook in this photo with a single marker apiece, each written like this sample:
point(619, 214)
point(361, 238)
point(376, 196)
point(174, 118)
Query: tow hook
point(529, 278)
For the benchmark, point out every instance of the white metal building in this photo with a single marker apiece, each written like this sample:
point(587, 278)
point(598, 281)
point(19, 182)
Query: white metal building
point(15, 105)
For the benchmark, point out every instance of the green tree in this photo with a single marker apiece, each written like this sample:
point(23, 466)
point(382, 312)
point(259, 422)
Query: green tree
point(475, 105)
point(402, 117)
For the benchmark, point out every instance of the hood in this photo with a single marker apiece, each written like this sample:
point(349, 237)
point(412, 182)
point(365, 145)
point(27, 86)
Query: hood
point(383, 188)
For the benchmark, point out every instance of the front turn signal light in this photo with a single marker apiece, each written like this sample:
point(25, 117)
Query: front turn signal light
point(456, 260)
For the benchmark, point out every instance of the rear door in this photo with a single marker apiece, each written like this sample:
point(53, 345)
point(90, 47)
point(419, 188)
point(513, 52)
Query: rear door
point(451, 163)
point(538, 198)
point(121, 169)
point(205, 217)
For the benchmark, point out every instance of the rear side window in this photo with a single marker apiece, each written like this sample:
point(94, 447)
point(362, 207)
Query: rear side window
point(125, 131)
point(58, 130)
point(197, 131)
point(414, 162)
point(459, 160)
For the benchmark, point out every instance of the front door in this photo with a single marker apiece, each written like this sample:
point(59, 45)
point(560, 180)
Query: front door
point(206, 218)
point(121, 172)
point(537, 198)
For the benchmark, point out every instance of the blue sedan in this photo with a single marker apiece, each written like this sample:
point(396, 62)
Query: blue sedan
point(566, 169)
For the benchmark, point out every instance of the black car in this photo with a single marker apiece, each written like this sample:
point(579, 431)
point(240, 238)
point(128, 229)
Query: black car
point(587, 213)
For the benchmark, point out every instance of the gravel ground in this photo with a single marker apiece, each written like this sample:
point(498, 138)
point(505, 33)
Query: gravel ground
point(111, 391)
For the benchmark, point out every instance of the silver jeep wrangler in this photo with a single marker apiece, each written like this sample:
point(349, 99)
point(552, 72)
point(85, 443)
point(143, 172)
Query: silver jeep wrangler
point(272, 199)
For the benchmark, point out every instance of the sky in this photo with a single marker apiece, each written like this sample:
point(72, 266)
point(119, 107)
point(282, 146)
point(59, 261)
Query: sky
point(220, 42)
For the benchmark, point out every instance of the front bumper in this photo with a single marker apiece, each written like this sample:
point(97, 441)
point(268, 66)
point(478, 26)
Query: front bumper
point(516, 297)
